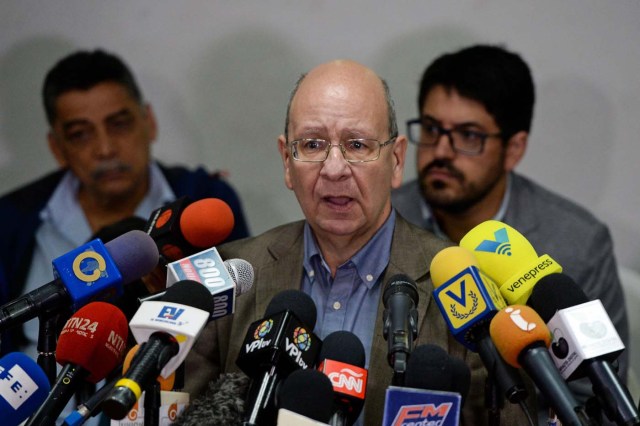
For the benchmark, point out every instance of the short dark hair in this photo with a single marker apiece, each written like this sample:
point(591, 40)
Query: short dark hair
point(83, 70)
point(491, 75)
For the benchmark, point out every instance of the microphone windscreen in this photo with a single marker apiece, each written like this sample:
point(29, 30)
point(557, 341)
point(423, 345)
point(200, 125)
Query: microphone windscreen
point(308, 393)
point(555, 292)
point(207, 222)
point(166, 384)
point(516, 327)
point(23, 387)
point(429, 368)
point(297, 302)
point(400, 283)
point(190, 293)
point(134, 253)
point(448, 262)
point(343, 346)
point(94, 338)
point(241, 273)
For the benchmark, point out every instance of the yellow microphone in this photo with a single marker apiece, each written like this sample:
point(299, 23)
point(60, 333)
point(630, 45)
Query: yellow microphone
point(508, 258)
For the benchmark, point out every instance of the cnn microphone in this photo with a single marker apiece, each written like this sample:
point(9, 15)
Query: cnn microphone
point(168, 330)
point(305, 399)
point(508, 258)
point(342, 360)
point(90, 346)
point(400, 322)
point(274, 347)
point(436, 386)
point(183, 227)
point(468, 300)
point(93, 271)
point(585, 342)
point(522, 338)
point(23, 387)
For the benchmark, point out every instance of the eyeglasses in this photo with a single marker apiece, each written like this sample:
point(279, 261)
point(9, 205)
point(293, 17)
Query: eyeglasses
point(353, 150)
point(426, 133)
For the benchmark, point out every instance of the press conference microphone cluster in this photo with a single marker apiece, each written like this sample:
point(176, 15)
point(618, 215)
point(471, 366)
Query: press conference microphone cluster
point(93, 271)
point(23, 388)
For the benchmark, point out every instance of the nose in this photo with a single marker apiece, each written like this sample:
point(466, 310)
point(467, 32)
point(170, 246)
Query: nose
point(444, 146)
point(335, 166)
point(105, 146)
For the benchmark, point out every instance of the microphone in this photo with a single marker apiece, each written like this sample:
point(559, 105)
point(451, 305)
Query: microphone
point(342, 360)
point(400, 319)
point(585, 342)
point(437, 385)
point(468, 300)
point(274, 347)
point(23, 387)
point(508, 258)
point(183, 227)
point(168, 329)
point(91, 344)
point(522, 339)
point(305, 398)
point(93, 271)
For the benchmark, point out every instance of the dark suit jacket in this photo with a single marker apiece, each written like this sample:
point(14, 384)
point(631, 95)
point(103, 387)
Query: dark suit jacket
point(277, 260)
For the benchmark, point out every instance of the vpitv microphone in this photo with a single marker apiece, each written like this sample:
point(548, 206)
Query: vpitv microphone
point(184, 227)
point(400, 322)
point(274, 347)
point(508, 258)
point(91, 344)
point(436, 386)
point(342, 360)
point(585, 342)
point(305, 399)
point(23, 387)
point(522, 338)
point(166, 330)
point(93, 271)
point(468, 300)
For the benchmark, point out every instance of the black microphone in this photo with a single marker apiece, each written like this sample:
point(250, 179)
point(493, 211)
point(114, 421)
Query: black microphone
point(305, 397)
point(400, 319)
point(274, 347)
point(585, 343)
point(342, 359)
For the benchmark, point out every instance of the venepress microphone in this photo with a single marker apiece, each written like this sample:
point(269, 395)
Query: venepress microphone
point(166, 330)
point(522, 338)
point(274, 347)
point(508, 258)
point(468, 300)
point(90, 346)
point(400, 322)
point(23, 387)
point(342, 360)
point(305, 399)
point(183, 227)
point(585, 342)
point(436, 386)
point(93, 271)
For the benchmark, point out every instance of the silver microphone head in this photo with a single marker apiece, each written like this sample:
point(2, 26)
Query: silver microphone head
point(241, 273)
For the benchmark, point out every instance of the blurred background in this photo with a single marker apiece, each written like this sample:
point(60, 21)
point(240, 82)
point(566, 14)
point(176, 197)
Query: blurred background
point(218, 75)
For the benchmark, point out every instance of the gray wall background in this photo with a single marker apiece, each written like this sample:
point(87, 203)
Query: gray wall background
point(218, 74)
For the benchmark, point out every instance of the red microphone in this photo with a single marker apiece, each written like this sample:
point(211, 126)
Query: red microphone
point(91, 344)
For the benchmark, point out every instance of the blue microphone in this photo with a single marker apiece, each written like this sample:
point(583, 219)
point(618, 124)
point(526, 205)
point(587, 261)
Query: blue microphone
point(23, 388)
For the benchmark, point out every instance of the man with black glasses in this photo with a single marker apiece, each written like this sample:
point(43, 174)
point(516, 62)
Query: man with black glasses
point(476, 107)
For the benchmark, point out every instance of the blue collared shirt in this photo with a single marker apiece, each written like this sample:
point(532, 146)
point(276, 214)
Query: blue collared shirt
point(349, 301)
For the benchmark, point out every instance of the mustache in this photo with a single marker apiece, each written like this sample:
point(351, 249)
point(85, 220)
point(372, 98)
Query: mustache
point(441, 164)
point(109, 166)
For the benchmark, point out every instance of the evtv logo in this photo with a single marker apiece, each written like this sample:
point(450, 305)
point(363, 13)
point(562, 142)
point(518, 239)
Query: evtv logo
point(170, 312)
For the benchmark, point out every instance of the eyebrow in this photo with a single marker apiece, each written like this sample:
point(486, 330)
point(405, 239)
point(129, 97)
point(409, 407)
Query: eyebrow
point(84, 122)
point(457, 125)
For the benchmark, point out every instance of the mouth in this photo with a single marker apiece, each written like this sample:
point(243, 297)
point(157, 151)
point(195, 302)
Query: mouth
point(338, 202)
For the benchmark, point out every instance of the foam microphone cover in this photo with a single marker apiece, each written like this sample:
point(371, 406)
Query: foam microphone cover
point(343, 346)
point(23, 387)
point(190, 293)
point(308, 393)
point(94, 338)
point(297, 302)
point(516, 327)
point(448, 261)
point(555, 292)
point(206, 222)
point(134, 253)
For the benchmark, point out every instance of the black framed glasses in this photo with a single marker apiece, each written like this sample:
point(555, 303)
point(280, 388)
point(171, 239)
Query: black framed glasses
point(353, 150)
point(426, 133)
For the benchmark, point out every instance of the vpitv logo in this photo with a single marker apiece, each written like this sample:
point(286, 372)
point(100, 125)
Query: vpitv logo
point(422, 415)
point(501, 245)
point(170, 313)
point(262, 330)
point(301, 343)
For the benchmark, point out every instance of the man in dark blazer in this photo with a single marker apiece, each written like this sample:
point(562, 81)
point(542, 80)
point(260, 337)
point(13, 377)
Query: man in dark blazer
point(345, 197)
point(476, 108)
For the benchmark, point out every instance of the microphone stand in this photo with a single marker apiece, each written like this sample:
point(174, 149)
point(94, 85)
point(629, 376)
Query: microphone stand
point(152, 404)
point(493, 400)
point(47, 341)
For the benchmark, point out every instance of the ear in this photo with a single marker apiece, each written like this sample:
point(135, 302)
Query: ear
point(150, 122)
point(516, 147)
point(56, 150)
point(399, 156)
point(285, 154)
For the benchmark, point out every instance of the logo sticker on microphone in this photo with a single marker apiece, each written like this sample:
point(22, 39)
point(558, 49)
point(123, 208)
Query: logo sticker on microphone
point(423, 414)
point(501, 245)
point(16, 386)
point(170, 313)
point(89, 266)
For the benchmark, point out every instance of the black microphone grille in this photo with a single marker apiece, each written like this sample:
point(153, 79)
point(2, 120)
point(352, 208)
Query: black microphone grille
point(297, 302)
point(343, 346)
point(555, 292)
point(400, 283)
point(308, 393)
